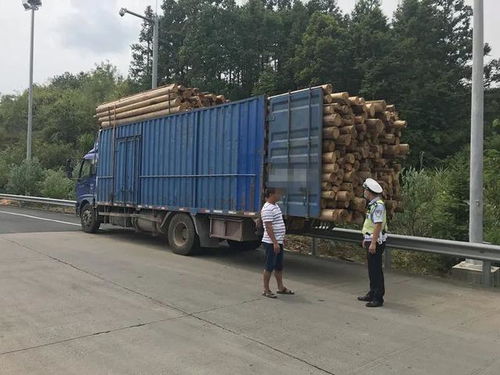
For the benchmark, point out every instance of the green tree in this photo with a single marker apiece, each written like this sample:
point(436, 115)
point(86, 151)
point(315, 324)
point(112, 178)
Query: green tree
point(57, 185)
point(26, 178)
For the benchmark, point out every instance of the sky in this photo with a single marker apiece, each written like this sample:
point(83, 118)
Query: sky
point(74, 35)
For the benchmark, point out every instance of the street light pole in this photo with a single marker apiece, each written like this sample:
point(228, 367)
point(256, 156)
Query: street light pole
point(477, 135)
point(155, 22)
point(154, 75)
point(30, 93)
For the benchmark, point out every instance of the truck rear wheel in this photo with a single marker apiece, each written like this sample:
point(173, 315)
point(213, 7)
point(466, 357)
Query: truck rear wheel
point(182, 235)
point(243, 246)
point(89, 219)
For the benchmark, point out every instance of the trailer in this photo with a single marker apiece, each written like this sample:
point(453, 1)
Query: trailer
point(199, 177)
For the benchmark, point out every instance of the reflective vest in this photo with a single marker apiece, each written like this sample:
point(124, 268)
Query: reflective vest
point(369, 225)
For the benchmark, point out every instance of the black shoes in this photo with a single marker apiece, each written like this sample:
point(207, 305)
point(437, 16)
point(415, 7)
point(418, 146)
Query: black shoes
point(374, 304)
point(366, 298)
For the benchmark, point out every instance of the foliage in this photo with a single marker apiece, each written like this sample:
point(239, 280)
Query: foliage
point(25, 179)
point(57, 185)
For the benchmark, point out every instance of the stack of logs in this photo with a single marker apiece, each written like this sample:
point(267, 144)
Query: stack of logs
point(154, 103)
point(361, 139)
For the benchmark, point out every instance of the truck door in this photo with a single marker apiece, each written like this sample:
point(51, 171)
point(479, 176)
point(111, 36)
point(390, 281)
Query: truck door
point(127, 170)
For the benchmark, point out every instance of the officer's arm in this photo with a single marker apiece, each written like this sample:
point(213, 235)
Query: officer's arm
point(376, 233)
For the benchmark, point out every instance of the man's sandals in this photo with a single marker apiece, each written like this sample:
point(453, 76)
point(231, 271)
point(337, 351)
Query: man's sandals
point(285, 291)
point(270, 294)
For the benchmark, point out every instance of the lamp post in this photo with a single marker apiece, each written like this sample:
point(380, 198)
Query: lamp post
point(155, 22)
point(32, 5)
point(477, 136)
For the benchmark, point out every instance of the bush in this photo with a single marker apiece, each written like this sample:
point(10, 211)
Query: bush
point(26, 178)
point(57, 185)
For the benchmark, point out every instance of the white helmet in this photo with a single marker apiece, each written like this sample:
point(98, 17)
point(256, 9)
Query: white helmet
point(373, 186)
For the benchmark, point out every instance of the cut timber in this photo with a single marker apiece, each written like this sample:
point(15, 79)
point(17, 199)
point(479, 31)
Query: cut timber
point(141, 111)
point(167, 100)
point(172, 89)
point(331, 133)
point(329, 157)
point(328, 146)
point(404, 149)
point(328, 194)
point(343, 139)
point(370, 109)
point(145, 117)
point(328, 177)
point(330, 168)
point(359, 204)
point(326, 186)
point(340, 97)
point(379, 105)
point(327, 89)
point(338, 215)
point(399, 124)
point(332, 120)
point(347, 129)
point(374, 125)
point(343, 195)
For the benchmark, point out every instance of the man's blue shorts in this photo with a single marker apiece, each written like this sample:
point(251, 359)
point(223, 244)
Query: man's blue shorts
point(274, 262)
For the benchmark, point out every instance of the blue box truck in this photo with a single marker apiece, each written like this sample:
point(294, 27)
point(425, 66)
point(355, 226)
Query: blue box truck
point(199, 177)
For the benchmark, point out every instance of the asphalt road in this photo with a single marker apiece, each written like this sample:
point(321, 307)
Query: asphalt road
point(121, 303)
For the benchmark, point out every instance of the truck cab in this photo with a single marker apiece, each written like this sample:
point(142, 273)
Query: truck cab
point(86, 185)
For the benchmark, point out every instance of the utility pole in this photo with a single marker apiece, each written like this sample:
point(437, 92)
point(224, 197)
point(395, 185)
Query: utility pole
point(477, 136)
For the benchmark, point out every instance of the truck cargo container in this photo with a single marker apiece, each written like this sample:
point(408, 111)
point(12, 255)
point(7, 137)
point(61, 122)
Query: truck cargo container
point(198, 177)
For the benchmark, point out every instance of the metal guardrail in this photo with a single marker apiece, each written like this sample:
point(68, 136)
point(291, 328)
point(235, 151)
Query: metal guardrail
point(460, 249)
point(49, 201)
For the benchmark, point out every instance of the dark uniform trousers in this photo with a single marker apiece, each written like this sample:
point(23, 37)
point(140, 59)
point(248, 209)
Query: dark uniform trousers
point(375, 272)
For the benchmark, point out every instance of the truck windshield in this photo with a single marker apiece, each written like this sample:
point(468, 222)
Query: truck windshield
point(87, 168)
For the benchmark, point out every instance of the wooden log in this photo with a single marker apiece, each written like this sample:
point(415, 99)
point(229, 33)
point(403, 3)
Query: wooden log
point(330, 168)
point(331, 133)
point(328, 177)
point(340, 97)
point(327, 194)
point(349, 158)
point(140, 111)
point(379, 105)
point(328, 146)
point(343, 195)
point(346, 121)
point(329, 157)
point(167, 100)
point(349, 176)
point(358, 204)
point(370, 109)
point(147, 116)
point(164, 90)
point(347, 129)
point(346, 186)
point(374, 125)
point(399, 124)
point(332, 120)
point(359, 120)
point(404, 149)
point(326, 185)
point(327, 99)
point(327, 89)
point(343, 139)
point(361, 128)
point(391, 108)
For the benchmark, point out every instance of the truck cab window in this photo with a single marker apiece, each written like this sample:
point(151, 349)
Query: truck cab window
point(87, 168)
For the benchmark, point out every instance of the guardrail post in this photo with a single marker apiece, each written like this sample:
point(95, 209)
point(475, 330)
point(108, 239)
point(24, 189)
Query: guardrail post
point(487, 281)
point(314, 246)
point(388, 259)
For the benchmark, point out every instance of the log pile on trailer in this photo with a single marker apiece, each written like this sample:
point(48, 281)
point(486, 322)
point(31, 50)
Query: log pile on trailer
point(361, 139)
point(154, 103)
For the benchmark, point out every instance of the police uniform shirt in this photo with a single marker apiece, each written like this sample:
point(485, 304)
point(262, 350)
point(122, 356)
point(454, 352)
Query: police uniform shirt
point(377, 216)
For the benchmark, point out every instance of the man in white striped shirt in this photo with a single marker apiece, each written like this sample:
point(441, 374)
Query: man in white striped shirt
point(274, 236)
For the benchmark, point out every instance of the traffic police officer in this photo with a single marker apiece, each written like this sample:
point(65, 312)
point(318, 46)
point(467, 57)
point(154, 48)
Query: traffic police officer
point(374, 237)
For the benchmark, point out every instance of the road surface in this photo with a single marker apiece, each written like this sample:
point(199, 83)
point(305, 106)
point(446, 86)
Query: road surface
point(121, 303)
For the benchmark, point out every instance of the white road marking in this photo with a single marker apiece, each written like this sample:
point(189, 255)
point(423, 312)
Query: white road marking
point(39, 218)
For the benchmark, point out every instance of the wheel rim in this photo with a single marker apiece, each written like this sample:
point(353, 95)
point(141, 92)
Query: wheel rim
point(180, 234)
point(87, 218)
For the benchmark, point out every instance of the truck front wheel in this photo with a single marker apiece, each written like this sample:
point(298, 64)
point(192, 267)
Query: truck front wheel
point(90, 221)
point(182, 235)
